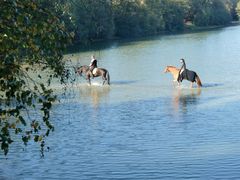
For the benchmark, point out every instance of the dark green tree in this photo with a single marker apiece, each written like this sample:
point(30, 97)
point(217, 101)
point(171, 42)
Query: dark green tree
point(136, 18)
point(173, 15)
point(32, 40)
point(231, 6)
point(93, 19)
point(210, 12)
point(129, 18)
point(155, 22)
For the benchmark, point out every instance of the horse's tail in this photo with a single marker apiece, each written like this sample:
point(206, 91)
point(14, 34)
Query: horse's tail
point(108, 78)
point(198, 81)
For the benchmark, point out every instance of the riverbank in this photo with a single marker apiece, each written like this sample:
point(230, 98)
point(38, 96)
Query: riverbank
point(191, 28)
point(96, 45)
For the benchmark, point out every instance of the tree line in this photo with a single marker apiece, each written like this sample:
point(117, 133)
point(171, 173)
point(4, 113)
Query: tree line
point(106, 19)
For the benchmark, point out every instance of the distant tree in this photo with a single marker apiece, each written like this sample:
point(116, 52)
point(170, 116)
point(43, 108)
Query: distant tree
point(128, 18)
point(142, 17)
point(93, 19)
point(231, 6)
point(155, 19)
point(238, 9)
point(105, 19)
point(173, 15)
point(220, 14)
point(210, 12)
point(32, 41)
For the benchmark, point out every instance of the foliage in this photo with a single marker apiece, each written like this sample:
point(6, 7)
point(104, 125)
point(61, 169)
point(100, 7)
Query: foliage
point(106, 19)
point(32, 40)
point(93, 19)
point(129, 18)
point(173, 14)
point(238, 8)
point(155, 22)
point(210, 12)
point(232, 8)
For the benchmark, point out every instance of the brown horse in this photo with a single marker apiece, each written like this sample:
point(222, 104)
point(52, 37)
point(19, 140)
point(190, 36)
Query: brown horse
point(96, 73)
point(175, 72)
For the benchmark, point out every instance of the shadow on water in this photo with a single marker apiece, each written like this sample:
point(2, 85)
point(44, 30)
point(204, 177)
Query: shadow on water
point(122, 82)
point(184, 98)
point(209, 85)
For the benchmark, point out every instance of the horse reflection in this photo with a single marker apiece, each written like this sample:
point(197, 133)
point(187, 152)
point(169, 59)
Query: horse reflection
point(183, 99)
point(94, 93)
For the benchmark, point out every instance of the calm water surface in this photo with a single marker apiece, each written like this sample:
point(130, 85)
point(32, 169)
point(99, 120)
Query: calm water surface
point(141, 127)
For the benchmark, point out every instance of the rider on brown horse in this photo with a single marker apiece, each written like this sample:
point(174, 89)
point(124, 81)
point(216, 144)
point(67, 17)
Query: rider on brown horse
point(92, 65)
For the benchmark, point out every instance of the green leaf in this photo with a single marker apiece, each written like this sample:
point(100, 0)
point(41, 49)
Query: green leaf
point(36, 138)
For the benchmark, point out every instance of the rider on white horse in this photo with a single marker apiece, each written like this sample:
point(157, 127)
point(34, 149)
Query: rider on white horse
point(92, 65)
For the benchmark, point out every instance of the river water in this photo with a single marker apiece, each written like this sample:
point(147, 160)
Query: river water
point(142, 127)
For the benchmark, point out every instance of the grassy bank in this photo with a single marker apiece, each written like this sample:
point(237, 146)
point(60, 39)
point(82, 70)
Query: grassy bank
point(189, 28)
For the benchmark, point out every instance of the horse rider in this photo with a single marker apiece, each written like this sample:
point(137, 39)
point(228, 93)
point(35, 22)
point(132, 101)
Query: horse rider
point(183, 71)
point(92, 65)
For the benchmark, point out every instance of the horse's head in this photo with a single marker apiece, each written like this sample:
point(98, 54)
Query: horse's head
point(78, 70)
point(166, 69)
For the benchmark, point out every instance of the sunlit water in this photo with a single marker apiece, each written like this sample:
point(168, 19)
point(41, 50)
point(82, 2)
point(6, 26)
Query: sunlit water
point(142, 127)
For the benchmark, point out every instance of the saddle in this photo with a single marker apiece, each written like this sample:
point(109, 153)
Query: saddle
point(188, 75)
point(94, 71)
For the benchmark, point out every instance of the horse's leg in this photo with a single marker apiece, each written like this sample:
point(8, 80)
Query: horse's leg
point(104, 79)
point(174, 83)
point(89, 79)
point(178, 84)
point(191, 85)
point(108, 78)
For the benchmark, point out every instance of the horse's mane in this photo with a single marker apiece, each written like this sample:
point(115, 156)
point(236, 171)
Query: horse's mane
point(170, 66)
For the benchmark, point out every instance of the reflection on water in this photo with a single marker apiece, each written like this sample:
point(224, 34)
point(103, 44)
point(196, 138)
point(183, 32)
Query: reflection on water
point(182, 98)
point(93, 94)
